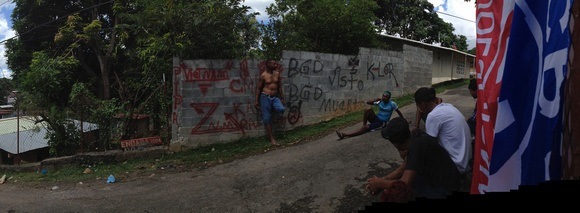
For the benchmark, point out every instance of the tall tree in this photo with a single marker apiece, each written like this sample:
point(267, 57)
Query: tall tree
point(458, 42)
point(415, 20)
point(333, 26)
point(35, 29)
point(163, 29)
point(117, 50)
point(84, 29)
point(208, 29)
point(472, 51)
point(5, 88)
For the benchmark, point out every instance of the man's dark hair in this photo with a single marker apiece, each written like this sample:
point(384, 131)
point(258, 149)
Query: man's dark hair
point(425, 94)
point(472, 84)
point(397, 130)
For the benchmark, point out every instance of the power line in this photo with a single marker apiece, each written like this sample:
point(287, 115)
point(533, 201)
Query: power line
point(455, 16)
point(5, 2)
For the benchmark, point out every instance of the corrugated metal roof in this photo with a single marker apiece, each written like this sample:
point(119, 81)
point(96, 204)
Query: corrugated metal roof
point(32, 136)
point(8, 125)
point(29, 140)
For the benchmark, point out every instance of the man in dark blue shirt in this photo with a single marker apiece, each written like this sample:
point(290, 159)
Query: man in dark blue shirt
point(427, 170)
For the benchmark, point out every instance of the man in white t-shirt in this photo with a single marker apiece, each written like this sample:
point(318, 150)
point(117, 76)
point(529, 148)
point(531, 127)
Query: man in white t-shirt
point(446, 123)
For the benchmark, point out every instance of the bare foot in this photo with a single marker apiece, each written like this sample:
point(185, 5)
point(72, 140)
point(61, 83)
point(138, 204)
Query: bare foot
point(274, 143)
point(340, 135)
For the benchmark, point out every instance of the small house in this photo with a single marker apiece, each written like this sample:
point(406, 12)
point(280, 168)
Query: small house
point(23, 137)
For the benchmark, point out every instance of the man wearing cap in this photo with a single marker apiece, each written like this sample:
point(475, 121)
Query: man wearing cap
point(427, 170)
point(386, 107)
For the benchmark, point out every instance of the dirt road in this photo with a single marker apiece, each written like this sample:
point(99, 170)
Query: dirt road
point(324, 175)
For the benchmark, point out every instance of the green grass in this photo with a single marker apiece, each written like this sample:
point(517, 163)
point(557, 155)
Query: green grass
point(210, 155)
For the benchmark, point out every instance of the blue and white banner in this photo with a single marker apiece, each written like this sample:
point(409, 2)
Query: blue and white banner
point(528, 123)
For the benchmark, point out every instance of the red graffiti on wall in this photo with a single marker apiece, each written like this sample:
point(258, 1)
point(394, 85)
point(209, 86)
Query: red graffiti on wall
point(244, 71)
point(207, 74)
point(245, 83)
point(177, 98)
point(231, 123)
point(202, 74)
point(242, 86)
point(204, 88)
point(238, 109)
point(177, 70)
point(199, 108)
point(234, 120)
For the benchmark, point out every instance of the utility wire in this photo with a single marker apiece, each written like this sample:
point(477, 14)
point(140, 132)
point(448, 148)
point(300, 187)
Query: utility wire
point(5, 2)
point(455, 16)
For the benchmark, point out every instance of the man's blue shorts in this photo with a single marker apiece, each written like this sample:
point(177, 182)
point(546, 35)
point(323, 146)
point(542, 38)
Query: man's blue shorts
point(269, 103)
point(375, 123)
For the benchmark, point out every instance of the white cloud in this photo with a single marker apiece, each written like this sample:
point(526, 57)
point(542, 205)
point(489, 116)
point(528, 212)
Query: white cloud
point(461, 14)
point(6, 32)
point(260, 7)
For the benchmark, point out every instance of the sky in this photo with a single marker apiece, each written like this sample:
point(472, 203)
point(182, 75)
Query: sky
point(6, 32)
point(457, 12)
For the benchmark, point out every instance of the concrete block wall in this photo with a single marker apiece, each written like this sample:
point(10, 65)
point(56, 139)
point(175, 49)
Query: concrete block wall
point(213, 99)
point(418, 68)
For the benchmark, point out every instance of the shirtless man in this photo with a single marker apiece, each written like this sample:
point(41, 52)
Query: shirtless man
point(269, 95)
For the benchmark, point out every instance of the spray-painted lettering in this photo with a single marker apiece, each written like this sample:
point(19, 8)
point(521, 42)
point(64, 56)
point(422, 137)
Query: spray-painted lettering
point(231, 123)
point(207, 74)
point(304, 93)
point(335, 105)
point(304, 68)
point(294, 114)
point(388, 69)
point(346, 80)
point(241, 85)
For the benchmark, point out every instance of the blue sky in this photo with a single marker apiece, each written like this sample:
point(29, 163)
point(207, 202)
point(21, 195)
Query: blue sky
point(461, 14)
point(6, 32)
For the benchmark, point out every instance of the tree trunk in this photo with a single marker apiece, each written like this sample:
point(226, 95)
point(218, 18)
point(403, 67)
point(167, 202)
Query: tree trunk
point(104, 62)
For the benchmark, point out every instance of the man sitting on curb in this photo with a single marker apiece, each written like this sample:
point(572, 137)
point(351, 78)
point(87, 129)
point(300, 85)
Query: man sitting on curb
point(427, 170)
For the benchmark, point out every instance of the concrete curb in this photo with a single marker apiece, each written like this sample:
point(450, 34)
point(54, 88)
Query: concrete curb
point(107, 157)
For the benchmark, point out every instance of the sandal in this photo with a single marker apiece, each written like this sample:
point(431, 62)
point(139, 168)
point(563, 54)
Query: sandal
point(340, 135)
